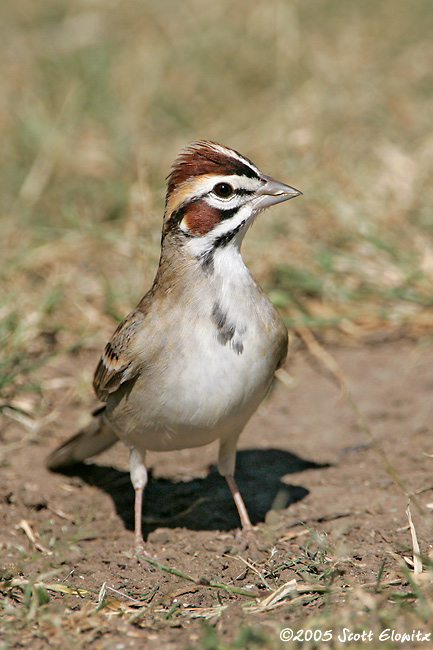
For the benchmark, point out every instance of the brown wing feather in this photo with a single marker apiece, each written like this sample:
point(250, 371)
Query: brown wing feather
point(117, 363)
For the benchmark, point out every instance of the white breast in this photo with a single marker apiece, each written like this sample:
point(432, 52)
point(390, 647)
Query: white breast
point(217, 363)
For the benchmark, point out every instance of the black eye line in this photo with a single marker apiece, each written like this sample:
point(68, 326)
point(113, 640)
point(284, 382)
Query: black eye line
point(243, 192)
point(239, 191)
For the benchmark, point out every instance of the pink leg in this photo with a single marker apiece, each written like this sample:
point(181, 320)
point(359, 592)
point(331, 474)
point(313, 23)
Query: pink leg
point(226, 467)
point(138, 480)
point(240, 505)
point(138, 535)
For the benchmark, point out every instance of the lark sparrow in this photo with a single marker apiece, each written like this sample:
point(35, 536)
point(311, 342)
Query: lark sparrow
point(193, 361)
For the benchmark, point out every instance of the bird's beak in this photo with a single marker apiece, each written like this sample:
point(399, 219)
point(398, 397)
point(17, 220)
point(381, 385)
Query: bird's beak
point(274, 192)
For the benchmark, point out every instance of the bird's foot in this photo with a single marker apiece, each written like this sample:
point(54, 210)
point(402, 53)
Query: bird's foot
point(140, 548)
point(244, 539)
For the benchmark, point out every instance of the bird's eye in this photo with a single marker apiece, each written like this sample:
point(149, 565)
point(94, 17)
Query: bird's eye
point(223, 190)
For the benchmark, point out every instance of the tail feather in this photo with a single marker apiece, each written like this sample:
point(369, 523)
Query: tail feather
point(91, 440)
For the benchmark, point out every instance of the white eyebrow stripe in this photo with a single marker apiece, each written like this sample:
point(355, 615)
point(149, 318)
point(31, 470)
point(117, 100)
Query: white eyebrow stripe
point(234, 154)
point(204, 184)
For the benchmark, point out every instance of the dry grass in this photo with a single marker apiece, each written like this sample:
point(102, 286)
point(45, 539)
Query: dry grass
point(98, 98)
point(45, 609)
point(97, 101)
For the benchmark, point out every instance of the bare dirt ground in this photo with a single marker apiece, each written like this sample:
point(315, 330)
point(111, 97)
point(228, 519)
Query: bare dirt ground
point(302, 458)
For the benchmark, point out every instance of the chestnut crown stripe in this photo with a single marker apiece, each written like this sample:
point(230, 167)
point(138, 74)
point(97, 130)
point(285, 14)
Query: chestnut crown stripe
point(202, 158)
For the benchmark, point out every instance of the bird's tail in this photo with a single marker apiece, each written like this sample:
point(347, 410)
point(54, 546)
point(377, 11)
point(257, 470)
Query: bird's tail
point(91, 440)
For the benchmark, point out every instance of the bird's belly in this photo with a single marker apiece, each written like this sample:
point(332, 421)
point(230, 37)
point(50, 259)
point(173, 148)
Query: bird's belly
point(214, 389)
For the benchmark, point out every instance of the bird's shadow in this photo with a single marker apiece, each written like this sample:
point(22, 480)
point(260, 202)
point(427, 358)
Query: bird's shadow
point(203, 503)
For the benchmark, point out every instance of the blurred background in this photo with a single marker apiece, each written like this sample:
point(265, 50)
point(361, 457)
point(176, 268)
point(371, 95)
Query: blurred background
point(97, 98)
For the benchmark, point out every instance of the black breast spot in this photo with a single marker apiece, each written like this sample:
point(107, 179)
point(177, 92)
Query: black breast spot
point(226, 329)
point(238, 347)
